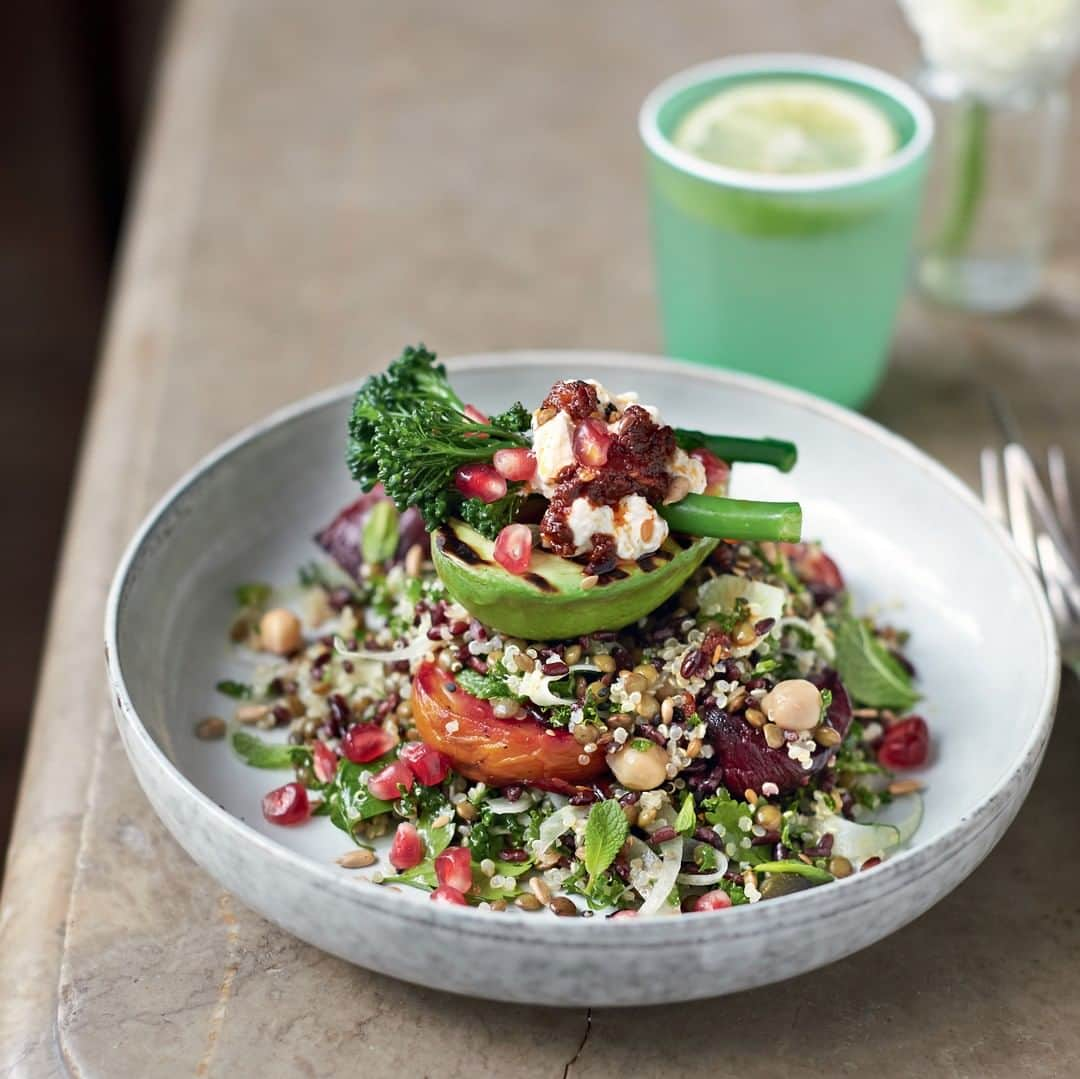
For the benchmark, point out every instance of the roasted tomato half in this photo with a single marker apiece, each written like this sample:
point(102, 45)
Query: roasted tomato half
point(492, 750)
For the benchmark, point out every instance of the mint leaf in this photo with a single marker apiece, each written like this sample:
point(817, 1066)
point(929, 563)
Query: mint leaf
point(485, 687)
point(687, 818)
point(870, 673)
point(239, 691)
point(605, 834)
point(259, 754)
point(379, 539)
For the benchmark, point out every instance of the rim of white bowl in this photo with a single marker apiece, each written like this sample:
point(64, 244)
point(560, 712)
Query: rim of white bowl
point(780, 64)
point(842, 896)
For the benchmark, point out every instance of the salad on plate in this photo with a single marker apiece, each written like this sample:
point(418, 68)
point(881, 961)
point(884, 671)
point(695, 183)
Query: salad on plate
point(543, 661)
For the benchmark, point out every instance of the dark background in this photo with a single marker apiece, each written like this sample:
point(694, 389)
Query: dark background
point(79, 75)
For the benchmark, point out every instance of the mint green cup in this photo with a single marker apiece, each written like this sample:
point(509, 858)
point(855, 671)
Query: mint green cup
point(796, 278)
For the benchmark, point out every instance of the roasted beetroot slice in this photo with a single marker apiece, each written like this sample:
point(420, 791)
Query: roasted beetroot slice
point(341, 538)
point(815, 569)
point(746, 758)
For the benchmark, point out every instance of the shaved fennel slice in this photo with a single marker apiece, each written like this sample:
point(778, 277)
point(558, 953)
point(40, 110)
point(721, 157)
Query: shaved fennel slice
point(712, 876)
point(858, 842)
point(656, 879)
point(562, 820)
point(701, 880)
point(504, 805)
point(720, 595)
point(415, 649)
point(905, 814)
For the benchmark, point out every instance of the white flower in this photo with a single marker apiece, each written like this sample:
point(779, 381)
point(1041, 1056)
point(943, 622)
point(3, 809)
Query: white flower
point(994, 46)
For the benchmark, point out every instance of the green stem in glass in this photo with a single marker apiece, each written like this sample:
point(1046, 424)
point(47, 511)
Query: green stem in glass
point(735, 518)
point(969, 171)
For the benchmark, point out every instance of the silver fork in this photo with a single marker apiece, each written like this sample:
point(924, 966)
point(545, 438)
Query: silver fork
point(1043, 524)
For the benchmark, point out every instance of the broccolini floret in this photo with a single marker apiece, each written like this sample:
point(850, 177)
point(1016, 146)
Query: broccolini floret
point(413, 379)
point(418, 453)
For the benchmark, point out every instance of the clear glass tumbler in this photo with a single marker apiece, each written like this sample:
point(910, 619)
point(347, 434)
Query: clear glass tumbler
point(993, 183)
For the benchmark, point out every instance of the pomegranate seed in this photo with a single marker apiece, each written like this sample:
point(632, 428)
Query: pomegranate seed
point(454, 868)
point(385, 784)
point(905, 745)
point(366, 742)
point(715, 900)
point(517, 465)
point(480, 481)
point(407, 850)
point(445, 894)
point(591, 443)
point(474, 414)
point(869, 864)
point(513, 548)
point(286, 805)
point(325, 762)
point(426, 763)
point(716, 471)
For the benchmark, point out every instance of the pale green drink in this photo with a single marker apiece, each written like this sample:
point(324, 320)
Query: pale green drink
point(784, 194)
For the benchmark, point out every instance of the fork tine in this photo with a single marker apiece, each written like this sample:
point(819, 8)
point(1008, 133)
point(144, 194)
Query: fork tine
point(1054, 568)
point(990, 481)
point(1022, 478)
point(1016, 493)
point(1055, 594)
point(1059, 490)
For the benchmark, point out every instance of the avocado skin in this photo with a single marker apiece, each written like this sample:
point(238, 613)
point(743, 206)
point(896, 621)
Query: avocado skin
point(549, 602)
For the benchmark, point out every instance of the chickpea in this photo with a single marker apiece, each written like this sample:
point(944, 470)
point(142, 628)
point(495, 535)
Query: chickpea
point(279, 631)
point(640, 765)
point(794, 705)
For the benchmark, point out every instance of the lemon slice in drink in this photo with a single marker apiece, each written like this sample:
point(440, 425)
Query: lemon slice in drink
point(787, 127)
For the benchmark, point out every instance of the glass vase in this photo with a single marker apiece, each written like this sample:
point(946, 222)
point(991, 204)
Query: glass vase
point(990, 197)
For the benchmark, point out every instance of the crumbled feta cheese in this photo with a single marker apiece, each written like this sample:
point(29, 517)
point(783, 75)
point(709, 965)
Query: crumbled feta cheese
point(621, 401)
point(635, 518)
point(586, 520)
point(553, 445)
point(690, 468)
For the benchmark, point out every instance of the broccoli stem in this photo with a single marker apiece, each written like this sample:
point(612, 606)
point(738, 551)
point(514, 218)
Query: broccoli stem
point(735, 518)
point(762, 451)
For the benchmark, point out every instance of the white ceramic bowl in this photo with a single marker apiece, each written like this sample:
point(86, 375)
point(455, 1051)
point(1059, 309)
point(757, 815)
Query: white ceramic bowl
point(906, 533)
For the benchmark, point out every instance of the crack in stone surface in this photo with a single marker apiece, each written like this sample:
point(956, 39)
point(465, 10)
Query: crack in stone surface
point(581, 1045)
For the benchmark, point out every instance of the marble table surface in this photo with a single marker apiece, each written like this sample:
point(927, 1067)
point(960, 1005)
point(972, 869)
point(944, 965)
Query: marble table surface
point(321, 183)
